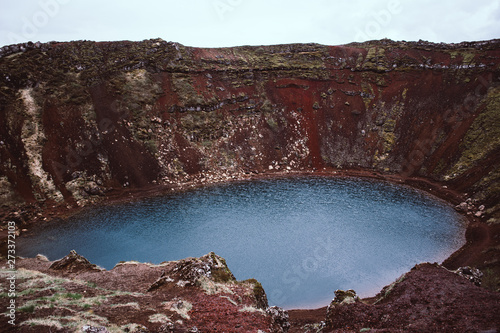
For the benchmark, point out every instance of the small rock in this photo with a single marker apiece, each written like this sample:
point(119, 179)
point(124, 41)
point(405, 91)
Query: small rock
point(474, 275)
point(279, 319)
point(41, 257)
point(482, 208)
point(72, 263)
point(167, 328)
point(462, 207)
point(92, 329)
point(95, 190)
point(345, 297)
point(478, 214)
point(76, 174)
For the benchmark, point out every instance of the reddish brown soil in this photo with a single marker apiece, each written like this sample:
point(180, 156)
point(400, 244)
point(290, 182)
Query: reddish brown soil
point(428, 299)
point(301, 318)
point(127, 284)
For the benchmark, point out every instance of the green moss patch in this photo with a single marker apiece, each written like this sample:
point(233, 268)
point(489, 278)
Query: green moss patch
point(482, 138)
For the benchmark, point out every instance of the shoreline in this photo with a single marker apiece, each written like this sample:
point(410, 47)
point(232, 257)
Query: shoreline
point(119, 195)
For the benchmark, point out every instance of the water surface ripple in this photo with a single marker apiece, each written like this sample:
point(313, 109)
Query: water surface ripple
point(302, 238)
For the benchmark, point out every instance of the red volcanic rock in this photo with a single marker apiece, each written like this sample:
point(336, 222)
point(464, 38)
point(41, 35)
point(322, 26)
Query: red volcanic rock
point(428, 298)
point(73, 263)
point(65, 296)
point(191, 270)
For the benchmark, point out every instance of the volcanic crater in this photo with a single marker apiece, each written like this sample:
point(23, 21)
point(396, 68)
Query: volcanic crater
point(89, 123)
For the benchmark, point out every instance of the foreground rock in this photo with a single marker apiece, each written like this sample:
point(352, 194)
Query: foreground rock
point(280, 322)
point(202, 295)
point(429, 298)
point(72, 263)
point(190, 295)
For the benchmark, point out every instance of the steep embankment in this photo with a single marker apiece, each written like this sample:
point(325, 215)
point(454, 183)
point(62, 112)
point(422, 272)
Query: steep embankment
point(82, 121)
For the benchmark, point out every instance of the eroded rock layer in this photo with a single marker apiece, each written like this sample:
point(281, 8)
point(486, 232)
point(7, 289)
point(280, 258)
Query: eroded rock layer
point(80, 118)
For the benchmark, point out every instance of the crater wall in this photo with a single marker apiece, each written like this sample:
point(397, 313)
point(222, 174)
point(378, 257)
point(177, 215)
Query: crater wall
point(82, 118)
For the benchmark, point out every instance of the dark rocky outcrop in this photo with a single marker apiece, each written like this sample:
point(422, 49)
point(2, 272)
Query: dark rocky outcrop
point(428, 298)
point(191, 270)
point(67, 295)
point(279, 319)
point(472, 274)
point(73, 263)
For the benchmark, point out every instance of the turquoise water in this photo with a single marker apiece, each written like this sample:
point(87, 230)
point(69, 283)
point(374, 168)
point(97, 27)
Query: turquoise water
point(302, 238)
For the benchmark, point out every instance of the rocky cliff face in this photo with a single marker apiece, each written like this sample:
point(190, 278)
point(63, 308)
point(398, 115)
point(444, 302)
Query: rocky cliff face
point(80, 118)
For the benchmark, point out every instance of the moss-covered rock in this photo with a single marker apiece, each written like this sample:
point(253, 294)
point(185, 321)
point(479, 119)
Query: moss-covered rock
point(483, 136)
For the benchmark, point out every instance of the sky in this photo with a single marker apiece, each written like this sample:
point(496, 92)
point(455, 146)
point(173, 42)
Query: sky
point(221, 23)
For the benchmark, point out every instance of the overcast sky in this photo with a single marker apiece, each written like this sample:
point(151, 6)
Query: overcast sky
point(214, 23)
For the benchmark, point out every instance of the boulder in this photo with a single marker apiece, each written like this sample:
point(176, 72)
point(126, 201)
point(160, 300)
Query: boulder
point(462, 207)
point(73, 263)
point(344, 297)
point(279, 319)
point(211, 266)
point(474, 275)
point(429, 298)
point(189, 271)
